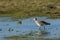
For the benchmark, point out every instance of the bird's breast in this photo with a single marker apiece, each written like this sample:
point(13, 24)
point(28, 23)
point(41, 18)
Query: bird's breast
point(37, 23)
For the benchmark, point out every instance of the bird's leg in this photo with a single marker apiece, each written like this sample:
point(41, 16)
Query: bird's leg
point(44, 28)
point(39, 28)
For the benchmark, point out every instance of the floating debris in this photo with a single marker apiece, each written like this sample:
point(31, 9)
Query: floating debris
point(19, 22)
point(38, 32)
point(10, 29)
point(41, 33)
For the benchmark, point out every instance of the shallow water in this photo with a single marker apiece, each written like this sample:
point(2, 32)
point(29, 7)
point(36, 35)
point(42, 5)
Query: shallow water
point(27, 26)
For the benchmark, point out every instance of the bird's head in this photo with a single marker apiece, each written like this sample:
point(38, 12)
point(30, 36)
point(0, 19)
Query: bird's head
point(35, 19)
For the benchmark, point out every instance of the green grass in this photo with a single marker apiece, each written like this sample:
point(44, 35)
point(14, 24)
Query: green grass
point(26, 37)
point(30, 8)
point(21, 36)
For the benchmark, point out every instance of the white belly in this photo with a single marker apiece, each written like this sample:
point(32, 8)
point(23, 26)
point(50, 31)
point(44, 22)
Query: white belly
point(37, 23)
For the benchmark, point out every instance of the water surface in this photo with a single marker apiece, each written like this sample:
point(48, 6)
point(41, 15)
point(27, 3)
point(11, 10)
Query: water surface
point(27, 26)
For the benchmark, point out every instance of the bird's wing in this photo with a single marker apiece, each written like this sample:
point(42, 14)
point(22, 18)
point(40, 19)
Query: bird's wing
point(40, 22)
point(45, 23)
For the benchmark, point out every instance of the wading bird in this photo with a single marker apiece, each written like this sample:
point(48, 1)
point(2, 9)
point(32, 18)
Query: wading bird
point(41, 23)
